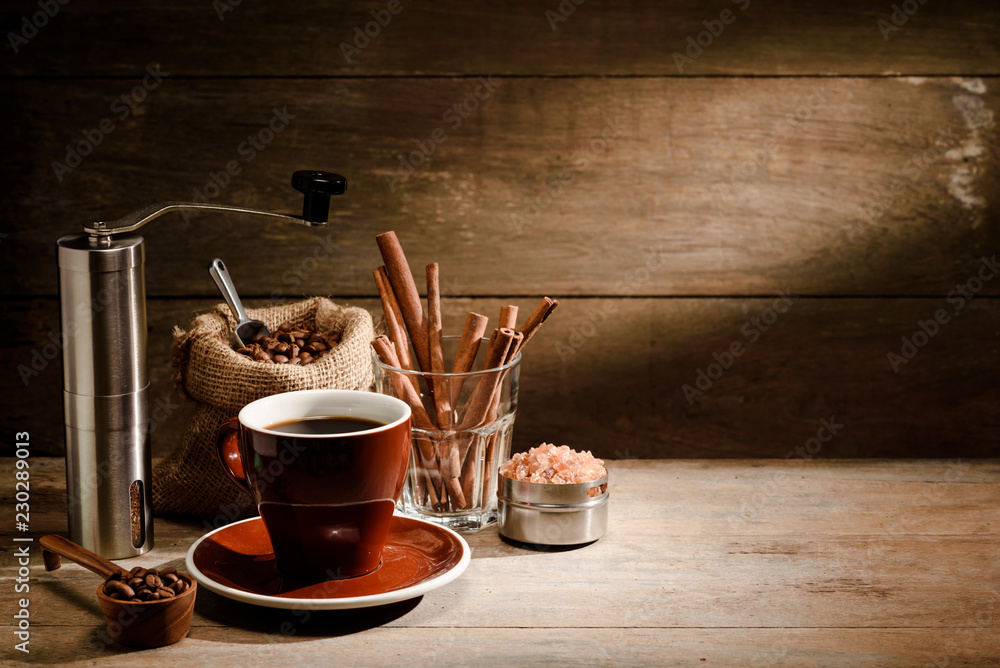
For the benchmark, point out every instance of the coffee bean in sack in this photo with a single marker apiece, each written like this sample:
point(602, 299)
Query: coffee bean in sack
point(291, 344)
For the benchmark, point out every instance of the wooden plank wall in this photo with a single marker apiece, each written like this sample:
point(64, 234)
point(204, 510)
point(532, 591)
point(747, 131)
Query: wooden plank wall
point(837, 163)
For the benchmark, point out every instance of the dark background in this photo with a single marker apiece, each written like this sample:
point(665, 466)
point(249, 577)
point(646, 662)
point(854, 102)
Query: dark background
point(807, 149)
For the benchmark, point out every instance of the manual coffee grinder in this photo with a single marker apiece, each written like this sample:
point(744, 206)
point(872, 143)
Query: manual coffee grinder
point(102, 305)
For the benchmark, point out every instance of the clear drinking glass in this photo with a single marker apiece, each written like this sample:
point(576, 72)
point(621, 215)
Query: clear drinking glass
point(452, 479)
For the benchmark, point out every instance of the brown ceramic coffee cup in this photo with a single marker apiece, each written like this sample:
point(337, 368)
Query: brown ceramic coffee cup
point(325, 468)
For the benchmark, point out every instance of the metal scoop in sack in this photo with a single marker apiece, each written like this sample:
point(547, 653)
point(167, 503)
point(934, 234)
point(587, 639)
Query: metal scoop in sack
point(247, 331)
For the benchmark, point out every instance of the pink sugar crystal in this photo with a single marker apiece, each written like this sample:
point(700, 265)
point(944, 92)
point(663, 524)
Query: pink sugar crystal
point(550, 464)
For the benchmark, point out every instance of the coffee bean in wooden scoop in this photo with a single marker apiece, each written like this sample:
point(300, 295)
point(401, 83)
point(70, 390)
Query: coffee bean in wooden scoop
point(143, 607)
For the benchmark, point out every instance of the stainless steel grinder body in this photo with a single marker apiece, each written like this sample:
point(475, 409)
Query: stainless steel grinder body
point(106, 393)
point(102, 304)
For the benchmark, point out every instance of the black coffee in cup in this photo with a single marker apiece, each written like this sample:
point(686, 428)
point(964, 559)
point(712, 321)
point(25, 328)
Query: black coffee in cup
point(324, 424)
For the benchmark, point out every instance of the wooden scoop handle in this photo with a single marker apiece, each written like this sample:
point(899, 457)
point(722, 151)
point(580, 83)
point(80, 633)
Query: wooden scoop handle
point(54, 546)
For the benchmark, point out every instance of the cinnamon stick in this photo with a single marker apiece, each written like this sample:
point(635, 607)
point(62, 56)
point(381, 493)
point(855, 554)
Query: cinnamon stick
point(405, 390)
point(468, 477)
point(477, 408)
point(515, 346)
point(387, 353)
point(508, 316)
point(490, 345)
point(468, 348)
point(454, 483)
point(428, 459)
point(490, 469)
point(393, 318)
point(494, 411)
point(406, 295)
point(536, 318)
point(440, 471)
point(433, 500)
point(468, 345)
point(446, 480)
point(442, 395)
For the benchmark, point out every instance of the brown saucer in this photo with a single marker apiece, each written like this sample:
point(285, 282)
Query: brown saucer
point(237, 561)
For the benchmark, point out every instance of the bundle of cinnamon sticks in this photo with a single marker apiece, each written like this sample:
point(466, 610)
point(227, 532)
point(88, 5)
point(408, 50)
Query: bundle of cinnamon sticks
point(444, 481)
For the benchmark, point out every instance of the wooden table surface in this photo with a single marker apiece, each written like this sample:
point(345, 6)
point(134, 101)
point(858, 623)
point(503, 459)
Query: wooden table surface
point(720, 562)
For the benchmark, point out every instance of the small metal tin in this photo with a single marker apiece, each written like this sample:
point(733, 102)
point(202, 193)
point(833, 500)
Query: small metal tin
point(552, 514)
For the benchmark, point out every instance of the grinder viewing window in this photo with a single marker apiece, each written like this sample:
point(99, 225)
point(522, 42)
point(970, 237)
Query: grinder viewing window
point(102, 303)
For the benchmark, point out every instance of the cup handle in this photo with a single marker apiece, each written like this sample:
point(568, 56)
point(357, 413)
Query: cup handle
point(227, 447)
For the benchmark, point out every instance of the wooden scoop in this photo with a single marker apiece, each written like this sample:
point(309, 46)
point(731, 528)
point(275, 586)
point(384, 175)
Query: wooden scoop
point(135, 623)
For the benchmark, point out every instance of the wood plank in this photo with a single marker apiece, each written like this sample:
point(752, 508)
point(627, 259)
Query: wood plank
point(660, 209)
point(609, 375)
point(892, 498)
point(638, 37)
point(680, 591)
point(389, 646)
point(787, 581)
point(663, 582)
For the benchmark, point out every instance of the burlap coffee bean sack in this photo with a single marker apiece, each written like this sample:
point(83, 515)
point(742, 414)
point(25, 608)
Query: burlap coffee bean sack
point(190, 482)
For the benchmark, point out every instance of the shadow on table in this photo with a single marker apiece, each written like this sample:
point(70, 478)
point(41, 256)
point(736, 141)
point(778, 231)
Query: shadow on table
point(215, 620)
point(84, 598)
point(489, 545)
point(539, 548)
point(83, 617)
point(269, 625)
